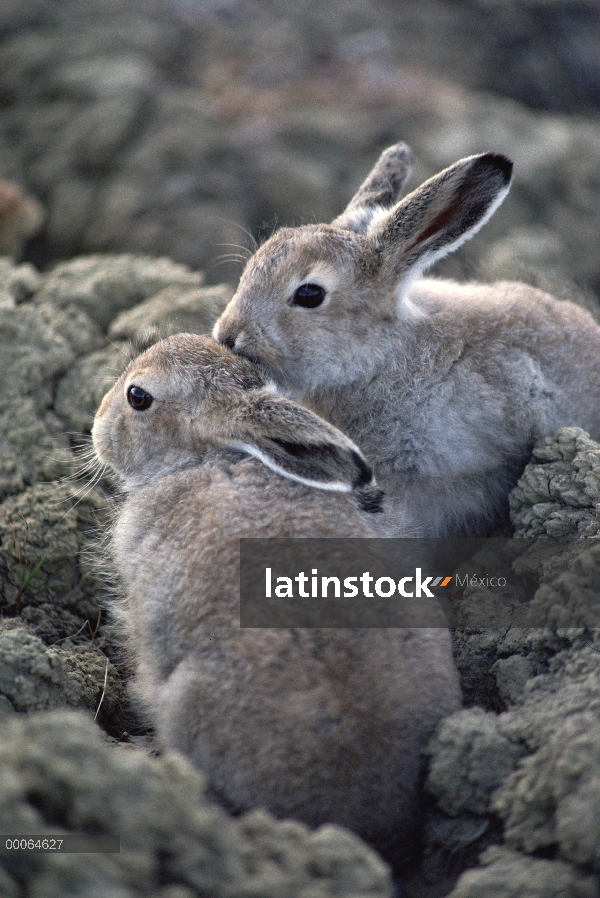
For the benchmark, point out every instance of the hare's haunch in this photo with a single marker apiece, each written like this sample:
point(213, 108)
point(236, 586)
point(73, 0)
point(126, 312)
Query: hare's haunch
point(444, 386)
point(321, 725)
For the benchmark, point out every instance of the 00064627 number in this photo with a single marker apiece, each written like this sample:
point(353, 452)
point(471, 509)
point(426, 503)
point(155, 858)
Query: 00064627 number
point(33, 844)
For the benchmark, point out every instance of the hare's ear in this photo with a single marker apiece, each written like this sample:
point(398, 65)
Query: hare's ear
point(299, 445)
point(441, 214)
point(381, 189)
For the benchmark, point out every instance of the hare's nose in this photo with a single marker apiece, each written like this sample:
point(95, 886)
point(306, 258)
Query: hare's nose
point(226, 332)
point(228, 340)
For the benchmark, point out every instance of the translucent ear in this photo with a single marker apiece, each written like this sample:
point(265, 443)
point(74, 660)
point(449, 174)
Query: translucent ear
point(381, 189)
point(441, 214)
point(299, 445)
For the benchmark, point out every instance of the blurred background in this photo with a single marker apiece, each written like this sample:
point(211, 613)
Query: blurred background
point(188, 127)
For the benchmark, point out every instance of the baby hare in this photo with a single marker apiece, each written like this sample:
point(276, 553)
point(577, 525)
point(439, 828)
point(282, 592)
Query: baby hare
point(445, 386)
point(317, 724)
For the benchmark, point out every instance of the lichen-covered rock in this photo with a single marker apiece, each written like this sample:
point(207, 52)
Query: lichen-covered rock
point(31, 446)
point(572, 599)
point(37, 343)
point(512, 674)
point(473, 754)
point(506, 874)
point(533, 768)
point(52, 596)
point(103, 286)
point(17, 282)
point(173, 310)
point(553, 798)
point(559, 492)
point(58, 776)
point(36, 677)
point(31, 675)
point(45, 535)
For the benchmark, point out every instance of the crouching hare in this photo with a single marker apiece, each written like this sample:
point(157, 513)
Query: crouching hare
point(445, 386)
point(321, 725)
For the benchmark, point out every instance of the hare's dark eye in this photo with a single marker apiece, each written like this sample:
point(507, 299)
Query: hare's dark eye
point(309, 296)
point(138, 399)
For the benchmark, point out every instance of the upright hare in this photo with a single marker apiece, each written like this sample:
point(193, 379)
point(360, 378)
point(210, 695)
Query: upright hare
point(322, 724)
point(444, 386)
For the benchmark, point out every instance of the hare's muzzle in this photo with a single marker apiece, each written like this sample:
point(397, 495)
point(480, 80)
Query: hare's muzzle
point(238, 339)
point(229, 341)
point(244, 340)
point(227, 332)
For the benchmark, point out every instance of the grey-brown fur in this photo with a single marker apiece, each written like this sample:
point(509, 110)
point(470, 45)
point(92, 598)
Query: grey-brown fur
point(445, 386)
point(382, 187)
point(322, 725)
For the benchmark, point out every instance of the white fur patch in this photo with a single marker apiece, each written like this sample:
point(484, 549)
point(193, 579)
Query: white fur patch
point(361, 218)
point(406, 307)
point(332, 485)
point(378, 214)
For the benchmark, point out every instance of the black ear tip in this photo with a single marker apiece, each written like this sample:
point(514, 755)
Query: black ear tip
point(500, 163)
point(364, 473)
point(371, 500)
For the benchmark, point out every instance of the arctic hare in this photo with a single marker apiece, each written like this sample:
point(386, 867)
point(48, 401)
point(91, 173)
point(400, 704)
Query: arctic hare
point(444, 386)
point(322, 725)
